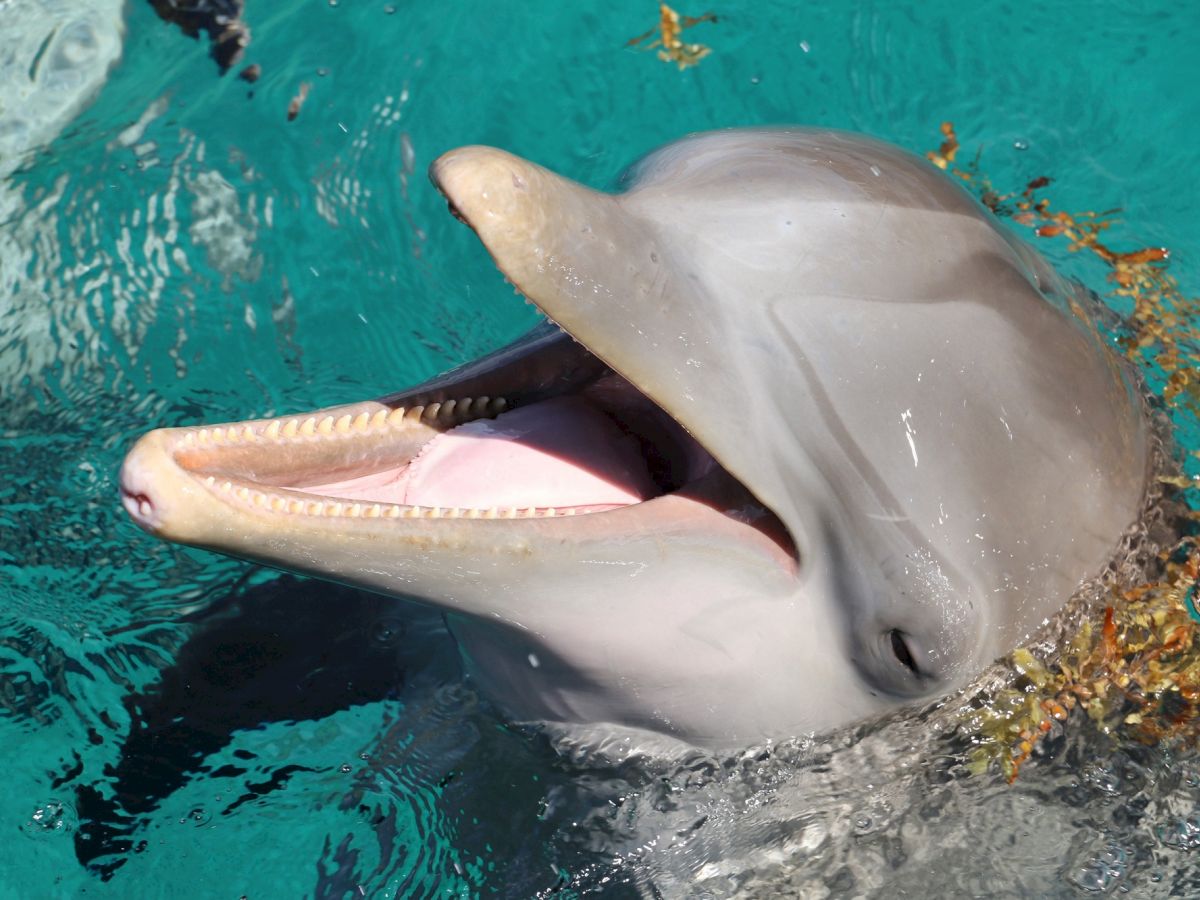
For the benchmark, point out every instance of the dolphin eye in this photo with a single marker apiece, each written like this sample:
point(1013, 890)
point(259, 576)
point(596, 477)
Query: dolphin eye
point(902, 651)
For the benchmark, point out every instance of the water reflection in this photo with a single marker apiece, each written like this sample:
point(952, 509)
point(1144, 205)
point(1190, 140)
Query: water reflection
point(183, 252)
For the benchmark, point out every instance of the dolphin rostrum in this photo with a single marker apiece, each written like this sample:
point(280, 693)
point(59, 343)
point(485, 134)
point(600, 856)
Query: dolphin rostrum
point(814, 438)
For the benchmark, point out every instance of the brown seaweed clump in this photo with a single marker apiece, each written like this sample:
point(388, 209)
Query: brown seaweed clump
point(1136, 671)
point(221, 20)
point(1133, 665)
point(670, 45)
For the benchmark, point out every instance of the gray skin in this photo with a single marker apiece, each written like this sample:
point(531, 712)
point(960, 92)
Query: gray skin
point(923, 446)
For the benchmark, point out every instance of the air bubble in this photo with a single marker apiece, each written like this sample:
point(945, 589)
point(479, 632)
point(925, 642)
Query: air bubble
point(1101, 873)
point(198, 816)
point(1181, 834)
point(51, 816)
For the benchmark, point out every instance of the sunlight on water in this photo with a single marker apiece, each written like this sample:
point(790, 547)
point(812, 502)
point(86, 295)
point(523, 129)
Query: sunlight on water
point(182, 252)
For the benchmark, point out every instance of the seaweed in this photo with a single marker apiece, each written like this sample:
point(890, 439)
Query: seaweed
point(670, 45)
point(1133, 665)
point(221, 20)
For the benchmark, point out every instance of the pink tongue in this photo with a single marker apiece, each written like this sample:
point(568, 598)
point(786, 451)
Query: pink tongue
point(558, 453)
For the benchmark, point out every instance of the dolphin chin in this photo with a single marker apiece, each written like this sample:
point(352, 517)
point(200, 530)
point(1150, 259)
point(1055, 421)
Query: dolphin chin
point(811, 438)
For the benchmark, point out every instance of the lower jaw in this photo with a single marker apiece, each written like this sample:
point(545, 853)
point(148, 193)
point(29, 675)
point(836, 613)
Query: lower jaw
point(300, 503)
point(359, 541)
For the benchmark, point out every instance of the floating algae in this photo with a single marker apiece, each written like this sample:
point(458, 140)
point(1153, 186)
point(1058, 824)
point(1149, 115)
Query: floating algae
point(671, 47)
point(1133, 665)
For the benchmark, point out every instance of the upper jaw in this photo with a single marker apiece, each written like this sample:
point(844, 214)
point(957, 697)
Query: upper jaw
point(625, 287)
point(221, 486)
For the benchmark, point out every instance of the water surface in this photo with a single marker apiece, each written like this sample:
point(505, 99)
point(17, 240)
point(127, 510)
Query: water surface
point(178, 723)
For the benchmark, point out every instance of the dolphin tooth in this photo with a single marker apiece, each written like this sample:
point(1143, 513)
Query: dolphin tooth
point(395, 417)
point(325, 426)
point(243, 493)
point(218, 435)
point(273, 430)
point(290, 429)
point(363, 420)
point(373, 511)
point(210, 481)
point(414, 413)
point(342, 425)
point(188, 439)
point(431, 411)
point(446, 410)
point(355, 510)
point(248, 434)
point(464, 407)
point(309, 428)
point(278, 504)
point(392, 512)
point(315, 508)
point(227, 486)
point(497, 406)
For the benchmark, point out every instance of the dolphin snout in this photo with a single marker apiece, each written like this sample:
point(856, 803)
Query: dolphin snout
point(137, 484)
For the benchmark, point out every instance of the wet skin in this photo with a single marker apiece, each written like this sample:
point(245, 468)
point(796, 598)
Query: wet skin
point(823, 440)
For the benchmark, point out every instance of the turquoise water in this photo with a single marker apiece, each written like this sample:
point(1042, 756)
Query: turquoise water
point(178, 724)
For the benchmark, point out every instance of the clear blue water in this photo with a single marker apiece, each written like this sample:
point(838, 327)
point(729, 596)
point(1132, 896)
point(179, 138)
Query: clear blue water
point(178, 724)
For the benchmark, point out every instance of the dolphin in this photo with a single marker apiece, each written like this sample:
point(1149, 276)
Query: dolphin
point(807, 437)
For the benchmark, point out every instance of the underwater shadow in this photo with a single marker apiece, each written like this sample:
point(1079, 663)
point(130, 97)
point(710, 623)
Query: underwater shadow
point(287, 650)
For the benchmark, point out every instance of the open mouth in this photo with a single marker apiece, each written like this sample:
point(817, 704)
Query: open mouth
point(539, 430)
point(589, 444)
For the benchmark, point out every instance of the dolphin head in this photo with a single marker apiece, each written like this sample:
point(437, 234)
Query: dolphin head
point(807, 437)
